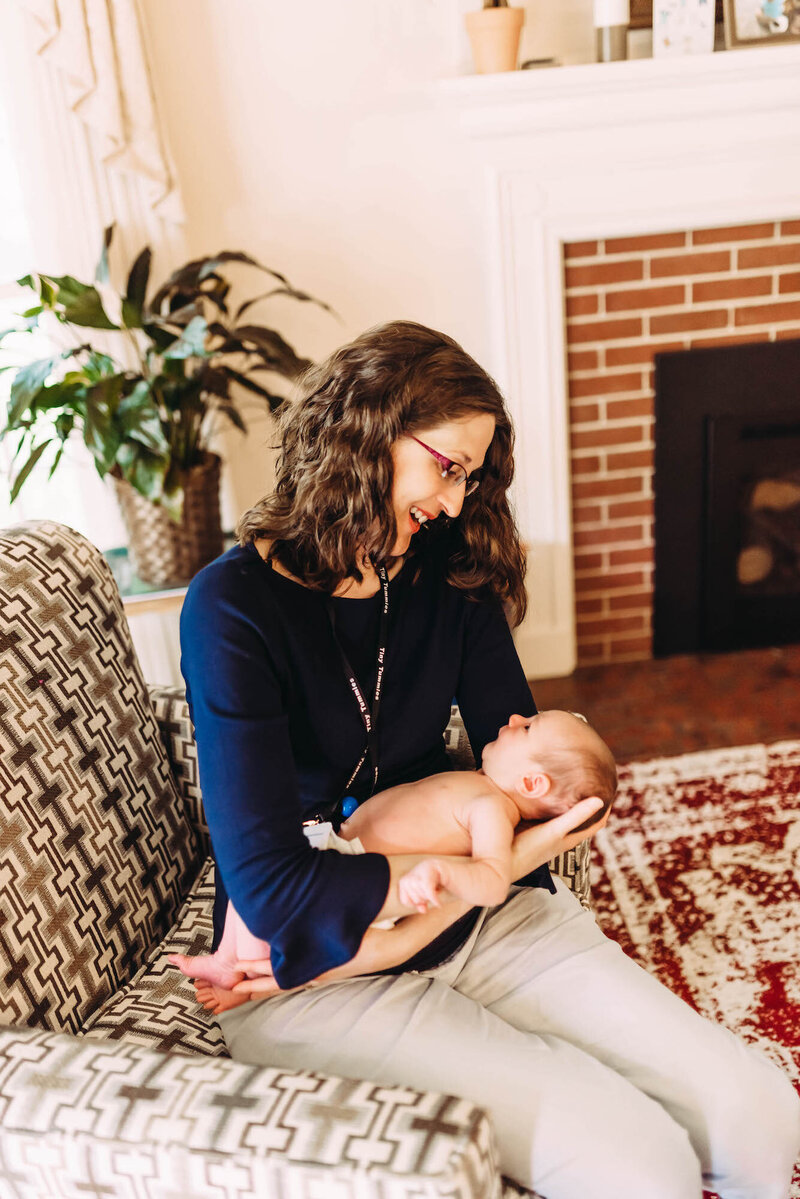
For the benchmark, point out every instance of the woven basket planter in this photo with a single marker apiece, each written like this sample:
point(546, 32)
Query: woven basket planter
point(167, 553)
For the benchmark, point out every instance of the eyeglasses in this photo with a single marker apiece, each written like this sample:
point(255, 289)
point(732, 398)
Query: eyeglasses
point(454, 472)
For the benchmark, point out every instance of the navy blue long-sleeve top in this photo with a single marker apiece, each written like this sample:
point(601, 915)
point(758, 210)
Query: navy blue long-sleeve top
point(279, 732)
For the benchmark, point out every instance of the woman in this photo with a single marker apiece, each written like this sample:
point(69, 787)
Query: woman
point(321, 655)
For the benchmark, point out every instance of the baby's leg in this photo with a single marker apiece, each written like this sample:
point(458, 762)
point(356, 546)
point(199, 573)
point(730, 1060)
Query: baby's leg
point(218, 969)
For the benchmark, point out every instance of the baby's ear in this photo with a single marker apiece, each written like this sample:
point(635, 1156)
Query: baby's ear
point(535, 786)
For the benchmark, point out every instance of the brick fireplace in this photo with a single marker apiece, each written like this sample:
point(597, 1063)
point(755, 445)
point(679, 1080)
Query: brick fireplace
point(626, 208)
point(626, 299)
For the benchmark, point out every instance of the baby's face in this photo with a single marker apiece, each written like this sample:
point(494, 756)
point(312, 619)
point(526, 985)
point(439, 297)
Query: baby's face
point(520, 743)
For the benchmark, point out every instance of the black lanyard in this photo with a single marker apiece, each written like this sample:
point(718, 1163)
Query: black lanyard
point(369, 715)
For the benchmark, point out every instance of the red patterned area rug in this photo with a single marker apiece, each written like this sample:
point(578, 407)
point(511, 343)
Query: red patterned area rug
point(698, 879)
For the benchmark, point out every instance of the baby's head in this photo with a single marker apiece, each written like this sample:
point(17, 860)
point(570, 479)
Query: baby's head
point(548, 762)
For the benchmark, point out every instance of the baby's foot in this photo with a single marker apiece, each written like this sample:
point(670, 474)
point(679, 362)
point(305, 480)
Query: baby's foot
point(218, 999)
point(209, 968)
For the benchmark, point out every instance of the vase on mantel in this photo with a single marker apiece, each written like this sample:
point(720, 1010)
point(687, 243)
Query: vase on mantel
point(494, 33)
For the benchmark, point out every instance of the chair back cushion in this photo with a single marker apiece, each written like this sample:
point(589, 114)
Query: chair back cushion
point(96, 850)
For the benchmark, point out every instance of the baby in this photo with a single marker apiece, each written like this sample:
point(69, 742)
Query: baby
point(536, 768)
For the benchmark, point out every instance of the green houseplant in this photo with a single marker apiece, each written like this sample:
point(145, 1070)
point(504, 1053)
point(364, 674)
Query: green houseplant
point(148, 425)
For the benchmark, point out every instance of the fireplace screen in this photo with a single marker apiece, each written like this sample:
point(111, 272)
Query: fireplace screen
point(727, 498)
point(768, 562)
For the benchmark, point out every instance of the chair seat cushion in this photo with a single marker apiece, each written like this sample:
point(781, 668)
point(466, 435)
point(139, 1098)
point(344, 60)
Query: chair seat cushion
point(158, 1007)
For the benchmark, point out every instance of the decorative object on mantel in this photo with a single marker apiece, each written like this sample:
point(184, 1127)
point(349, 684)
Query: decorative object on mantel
point(494, 33)
point(150, 427)
point(682, 27)
point(611, 19)
point(761, 22)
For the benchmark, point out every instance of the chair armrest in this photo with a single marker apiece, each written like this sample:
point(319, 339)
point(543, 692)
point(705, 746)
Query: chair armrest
point(177, 735)
point(127, 1119)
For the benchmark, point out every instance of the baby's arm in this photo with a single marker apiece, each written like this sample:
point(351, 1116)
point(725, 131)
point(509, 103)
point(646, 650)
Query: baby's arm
point(483, 879)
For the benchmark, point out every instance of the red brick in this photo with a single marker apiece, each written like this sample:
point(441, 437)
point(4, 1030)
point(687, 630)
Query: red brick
point(583, 414)
point(586, 466)
point(583, 360)
point(647, 241)
point(764, 314)
point(633, 648)
point(681, 322)
point(604, 330)
point(608, 536)
point(785, 334)
point(614, 624)
point(599, 273)
point(790, 228)
point(644, 554)
point(628, 508)
point(640, 298)
point(704, 237)
point(619, 435)
point(606, 487)
point(580, 249)
point(588, 607)
point(779, 255)
point(731, 289)
point(589, 651)
point(590, 561)
point(629, 355)
point(599, 385)
point(584, 305)
point(732, 340)
point(639, 600)
point(625, 409)
point(606, 582)
point(690, 264)
point(587, 514)
point(630, 460)
point(789, 282)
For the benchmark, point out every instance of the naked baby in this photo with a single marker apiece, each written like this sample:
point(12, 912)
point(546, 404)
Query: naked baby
point(537, 767)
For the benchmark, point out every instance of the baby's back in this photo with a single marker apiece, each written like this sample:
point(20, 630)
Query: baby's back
point(430, 816)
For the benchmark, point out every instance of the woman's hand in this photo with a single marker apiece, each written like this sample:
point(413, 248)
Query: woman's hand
point(536, 845)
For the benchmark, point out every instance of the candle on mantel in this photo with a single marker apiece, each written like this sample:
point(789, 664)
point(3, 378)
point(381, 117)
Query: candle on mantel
point(611, 20)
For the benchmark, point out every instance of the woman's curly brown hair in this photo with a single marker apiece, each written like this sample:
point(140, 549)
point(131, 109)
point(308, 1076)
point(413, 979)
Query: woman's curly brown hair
point(332, 498)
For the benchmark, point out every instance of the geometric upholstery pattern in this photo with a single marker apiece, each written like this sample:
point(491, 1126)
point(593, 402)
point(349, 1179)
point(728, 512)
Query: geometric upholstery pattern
point(102, 844)
point(177, 734)
point(81, 1118)
point(96, 851)
point(158, 1008)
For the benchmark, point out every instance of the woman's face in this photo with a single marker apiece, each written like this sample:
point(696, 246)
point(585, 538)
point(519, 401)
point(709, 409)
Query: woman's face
point(420, 493)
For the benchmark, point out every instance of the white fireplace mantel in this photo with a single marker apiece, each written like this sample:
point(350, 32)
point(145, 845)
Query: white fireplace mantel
point(594, 151)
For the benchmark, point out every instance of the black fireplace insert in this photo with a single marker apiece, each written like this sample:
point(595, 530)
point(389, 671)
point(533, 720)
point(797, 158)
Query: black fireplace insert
point(727, 498)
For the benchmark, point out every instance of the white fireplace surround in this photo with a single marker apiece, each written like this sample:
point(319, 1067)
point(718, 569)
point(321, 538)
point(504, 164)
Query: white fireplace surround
point(586, 152)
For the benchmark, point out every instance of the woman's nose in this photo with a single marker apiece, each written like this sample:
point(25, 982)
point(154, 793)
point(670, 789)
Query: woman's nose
point(451, 499)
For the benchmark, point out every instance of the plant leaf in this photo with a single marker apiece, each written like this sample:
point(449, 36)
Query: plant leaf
point(137, 418)
point(272, 348)
point(292, 293)
point(143, 470)
point(80, 302)
point(27, 468)
point(28, 381)
point(101, 270)
point(191, 343)
point(136, 289)
point(274, 401)
point(56, 461)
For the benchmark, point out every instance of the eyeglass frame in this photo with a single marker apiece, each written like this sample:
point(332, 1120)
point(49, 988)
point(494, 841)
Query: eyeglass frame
point(470, 483)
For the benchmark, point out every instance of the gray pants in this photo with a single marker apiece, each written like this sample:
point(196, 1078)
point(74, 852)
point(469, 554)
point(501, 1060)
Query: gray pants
point(599, 1081)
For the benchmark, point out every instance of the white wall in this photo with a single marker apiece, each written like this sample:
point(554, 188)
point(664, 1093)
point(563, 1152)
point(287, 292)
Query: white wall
point(313, 136)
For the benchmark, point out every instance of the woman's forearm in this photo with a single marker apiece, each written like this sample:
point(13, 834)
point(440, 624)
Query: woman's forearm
point(382, 948)
point(400, 864)
point(536, 845)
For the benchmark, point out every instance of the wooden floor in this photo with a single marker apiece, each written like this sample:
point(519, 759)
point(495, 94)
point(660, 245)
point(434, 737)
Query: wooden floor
point(675, 705)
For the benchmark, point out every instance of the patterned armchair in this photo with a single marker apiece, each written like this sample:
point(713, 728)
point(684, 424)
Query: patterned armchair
point(113, 1081)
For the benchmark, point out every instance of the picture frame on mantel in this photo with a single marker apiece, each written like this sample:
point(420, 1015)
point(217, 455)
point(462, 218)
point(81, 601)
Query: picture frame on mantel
point(761, 22)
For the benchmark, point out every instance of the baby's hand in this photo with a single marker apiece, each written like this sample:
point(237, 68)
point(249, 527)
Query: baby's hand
point(420, 887)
